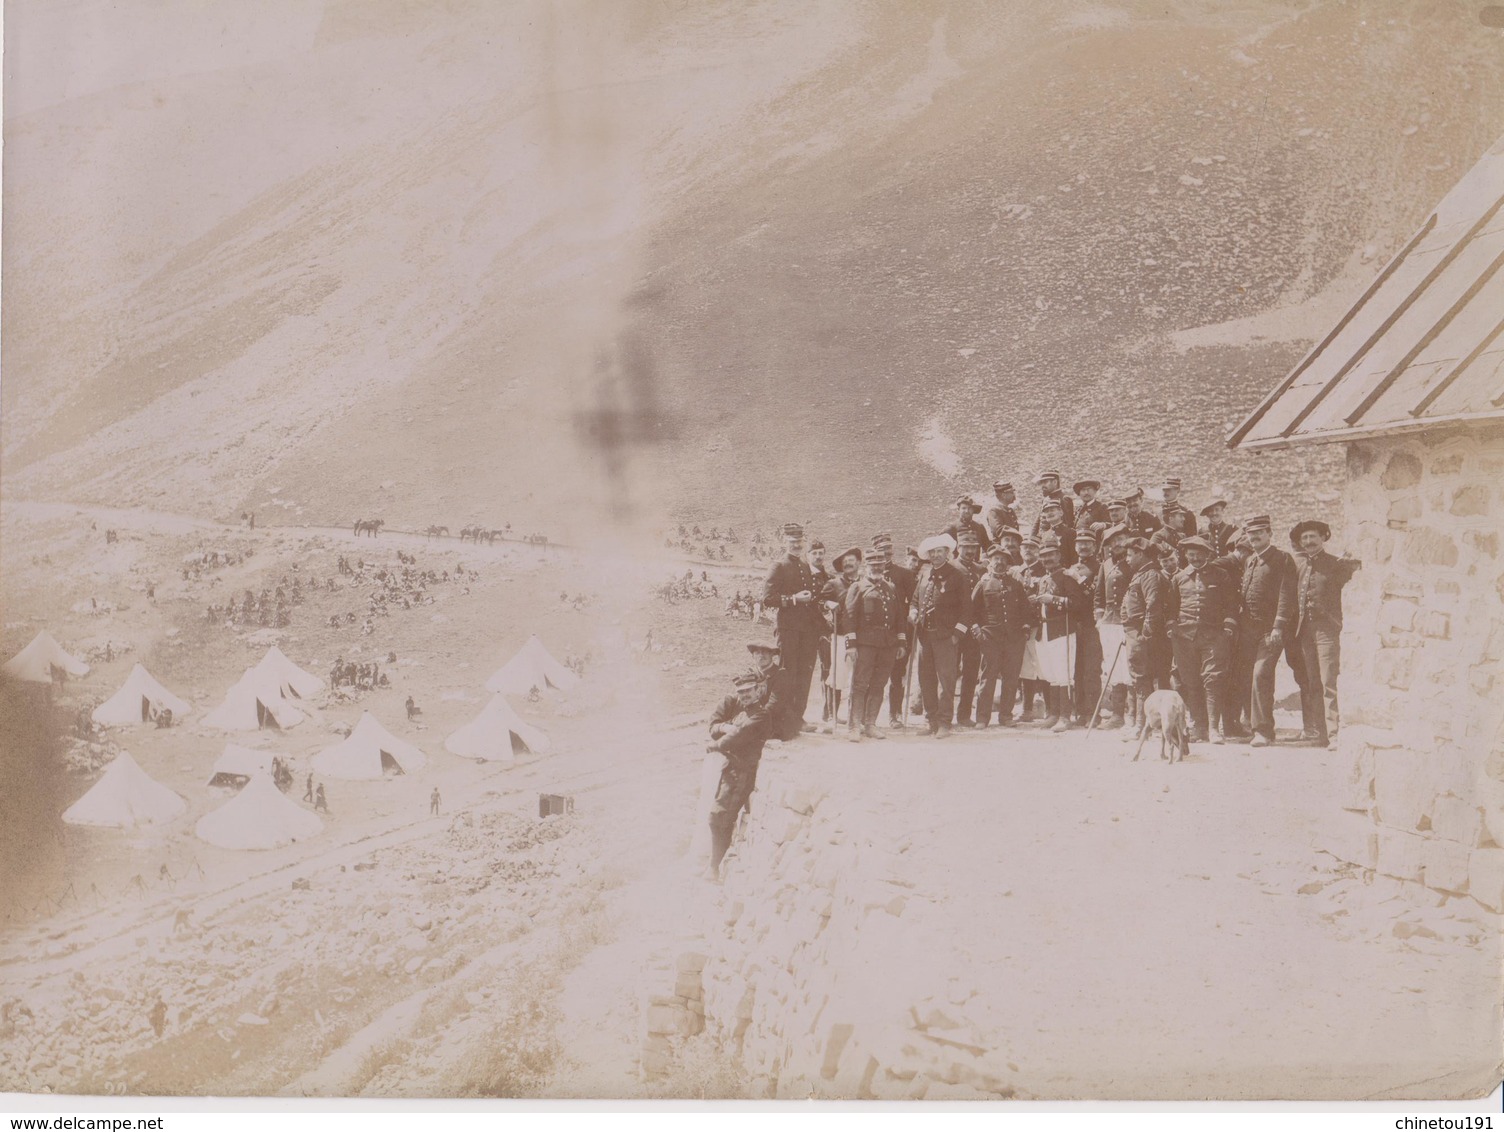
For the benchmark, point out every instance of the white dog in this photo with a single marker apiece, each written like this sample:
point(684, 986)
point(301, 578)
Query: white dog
point(1164, 711)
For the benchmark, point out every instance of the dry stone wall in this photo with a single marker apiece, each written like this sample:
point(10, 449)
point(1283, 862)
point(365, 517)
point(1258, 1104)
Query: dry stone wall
point(778, 982)
point(1422, 647)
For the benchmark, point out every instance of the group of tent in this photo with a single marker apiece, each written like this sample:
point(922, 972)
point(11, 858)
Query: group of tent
point(260, 815)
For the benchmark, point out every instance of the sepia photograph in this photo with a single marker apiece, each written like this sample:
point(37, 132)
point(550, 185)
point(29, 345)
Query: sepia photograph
point(892, 551)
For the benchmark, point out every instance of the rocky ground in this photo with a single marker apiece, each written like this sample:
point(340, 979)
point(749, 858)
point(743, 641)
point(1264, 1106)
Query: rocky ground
point(486, 951)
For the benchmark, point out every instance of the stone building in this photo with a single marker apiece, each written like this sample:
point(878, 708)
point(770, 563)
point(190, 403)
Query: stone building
point(1411, 382)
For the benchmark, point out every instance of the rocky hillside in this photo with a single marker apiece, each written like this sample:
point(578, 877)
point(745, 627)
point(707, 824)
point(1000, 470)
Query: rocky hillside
point(737, 262)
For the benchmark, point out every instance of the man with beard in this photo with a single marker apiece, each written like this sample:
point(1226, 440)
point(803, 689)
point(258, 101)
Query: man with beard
point(1012, 543)
point(1002, 513)
point(1175, 514)
point(1052, 524)
point(1062, 604)
point(903, 580)
point(1088, 669)
point(874, 624)
point(941, 616)
point(964, 522)
point(1203, 614)
point(1091, 513)
point(1049, 489)
point(1266, 617)
point(1112, 585)
point(969, 560)
point(1320, 579)
point(790, 589)
point(1145, 626)
point(1004, 618)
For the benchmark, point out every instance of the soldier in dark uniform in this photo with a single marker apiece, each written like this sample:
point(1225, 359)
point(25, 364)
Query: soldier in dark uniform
point(1031, 573)
point(820, 577)
point(1062, 606)
point(1088, 644)
point(1203, 612)
point(1052, 522)
point(966, 508)
point(1091, 513)
point(1266, 617)
point(1221, 535)
point(1002, 513)
point(1320, 578)
point(1003, 615)
point(790, 589)
point(1145, 626)
point(1107, 596)
point(1175, 514)
point(903, 580)
point(968, 558)
point(1049, 487)
point(874, 624)
point(739, 727)
point(941, 616)
point(1012, 541)
point(1140, 523)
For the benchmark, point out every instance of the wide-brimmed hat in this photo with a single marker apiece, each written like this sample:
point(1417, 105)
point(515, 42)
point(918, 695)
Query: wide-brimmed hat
point(1212, 506)
point(847, 553)
point(936, 542)
point(1305, 525)
point(1079, 484)
point(761, 646)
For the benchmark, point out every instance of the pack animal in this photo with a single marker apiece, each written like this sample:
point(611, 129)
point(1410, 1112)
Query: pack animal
point(1164, 711)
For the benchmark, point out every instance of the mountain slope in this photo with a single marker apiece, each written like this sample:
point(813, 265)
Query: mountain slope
point(742, 262)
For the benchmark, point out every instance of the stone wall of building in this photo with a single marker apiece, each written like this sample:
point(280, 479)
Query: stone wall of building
point(1422, 688)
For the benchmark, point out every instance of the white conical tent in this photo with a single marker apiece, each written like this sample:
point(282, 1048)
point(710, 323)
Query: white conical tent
point(369, 751)
point(292, 680)
point(140, 699)
point(259, 817)
point(37, 660)
point(236, 765)
point(253, 703)
point(532, 667)
point(495, 735)
point(125, 795)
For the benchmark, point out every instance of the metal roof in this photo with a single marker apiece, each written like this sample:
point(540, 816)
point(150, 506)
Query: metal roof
point(1421, 347)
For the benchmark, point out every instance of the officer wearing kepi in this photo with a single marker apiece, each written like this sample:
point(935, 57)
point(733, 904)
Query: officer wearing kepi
point(739, 727)
point(790, 589)
point(1203, 615)
point(968, 558)
point(874, 621)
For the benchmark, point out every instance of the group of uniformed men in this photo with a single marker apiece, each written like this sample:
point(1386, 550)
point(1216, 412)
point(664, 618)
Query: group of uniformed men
point(1098, 594)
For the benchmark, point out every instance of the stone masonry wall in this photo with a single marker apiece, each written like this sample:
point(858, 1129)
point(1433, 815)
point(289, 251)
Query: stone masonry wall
point(776, 983)
point(1421, 690)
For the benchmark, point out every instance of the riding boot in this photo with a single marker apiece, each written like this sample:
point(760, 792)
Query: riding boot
point(1214, 707)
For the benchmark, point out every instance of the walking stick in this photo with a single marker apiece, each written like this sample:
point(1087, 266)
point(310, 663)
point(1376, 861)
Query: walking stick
point(908, 671)
point(1106, 687)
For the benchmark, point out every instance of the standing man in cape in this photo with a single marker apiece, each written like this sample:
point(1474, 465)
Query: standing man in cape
point(790, 590)
point(941, 616)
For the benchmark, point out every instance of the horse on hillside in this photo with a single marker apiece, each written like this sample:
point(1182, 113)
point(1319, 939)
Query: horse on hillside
point(369, 526)
point(437, 532)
